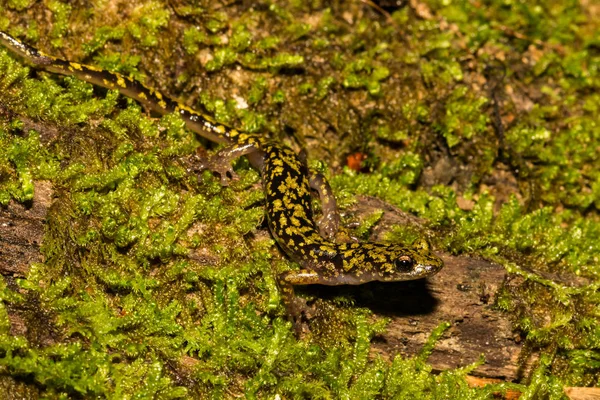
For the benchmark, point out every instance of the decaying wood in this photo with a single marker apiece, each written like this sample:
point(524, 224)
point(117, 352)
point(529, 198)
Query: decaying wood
point(582, 393)
point(573, 393)
point(22, 231)
point(475, 381)
point(462, 293)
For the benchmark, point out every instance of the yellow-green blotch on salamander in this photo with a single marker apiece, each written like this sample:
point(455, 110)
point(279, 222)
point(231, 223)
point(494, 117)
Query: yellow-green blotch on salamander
point(287, 184)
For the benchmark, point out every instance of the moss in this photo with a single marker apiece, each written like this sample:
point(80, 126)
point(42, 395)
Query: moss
point(19, 5)
point(363, 74)
point(102, 35)
point(463, 118)
point(136, 284)
point(60, 12)
point(147, 20)
point(4, 21)
point(121, 63)
point(222, 57)
point(363, 231)
point(192, 37)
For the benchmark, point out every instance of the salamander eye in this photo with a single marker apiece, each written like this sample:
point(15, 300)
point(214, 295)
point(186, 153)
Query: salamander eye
point(404, 263)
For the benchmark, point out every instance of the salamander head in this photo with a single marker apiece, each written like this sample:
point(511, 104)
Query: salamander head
point(388, 263)
point(414, 262)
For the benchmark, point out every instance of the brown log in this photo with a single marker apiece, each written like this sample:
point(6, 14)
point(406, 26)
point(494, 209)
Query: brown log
point(22, 231)
point(474, 381)
point(462, 293)
point(582, 393)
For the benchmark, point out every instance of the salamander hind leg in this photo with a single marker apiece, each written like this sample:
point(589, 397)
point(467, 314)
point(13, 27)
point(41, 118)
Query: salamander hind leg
point(330, 221)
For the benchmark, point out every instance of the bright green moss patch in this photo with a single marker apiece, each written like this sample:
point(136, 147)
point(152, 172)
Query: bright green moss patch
point(101, 36)
point(463, 118)
point(72, 368)
point(147, 20)
point(19, 4)
point(125, 65)
point(60, 12)
point(154, 274)
point(362, 74)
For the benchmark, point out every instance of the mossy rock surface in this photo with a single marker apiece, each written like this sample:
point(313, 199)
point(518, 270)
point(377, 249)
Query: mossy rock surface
point(478, 120)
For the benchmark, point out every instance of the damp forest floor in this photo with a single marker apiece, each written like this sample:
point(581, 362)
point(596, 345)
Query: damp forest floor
point(478, 119)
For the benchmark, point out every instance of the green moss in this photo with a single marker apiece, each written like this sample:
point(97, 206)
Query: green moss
point(216, 21)
point(147, 20)
point(257, 91)
point(121, 63)
point(268, 43)
point(73, 368)
point(60, 12)
point(101, 36)
point(464, 118)
point(136, 285)
point(222, 57)
point(324, 86)
point(298, 31)
point(363, 231)
point(285, 60)
point(192, 37)
point(19, 5)
point(365, 74)
point(4, 21)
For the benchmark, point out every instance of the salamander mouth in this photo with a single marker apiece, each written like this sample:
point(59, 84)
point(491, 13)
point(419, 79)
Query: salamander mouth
point(425, 270)
point(419, 271)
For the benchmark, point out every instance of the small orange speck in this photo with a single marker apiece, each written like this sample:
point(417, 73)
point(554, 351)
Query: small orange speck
point(355, 161)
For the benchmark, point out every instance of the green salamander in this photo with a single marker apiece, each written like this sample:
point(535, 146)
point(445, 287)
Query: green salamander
point(287, 183)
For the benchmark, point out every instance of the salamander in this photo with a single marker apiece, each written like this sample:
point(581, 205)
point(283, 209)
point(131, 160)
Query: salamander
point(287, 184)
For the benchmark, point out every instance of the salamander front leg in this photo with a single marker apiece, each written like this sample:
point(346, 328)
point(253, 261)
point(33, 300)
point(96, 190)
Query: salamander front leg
point(295, 306)
point(220, 162)
point(330, 221)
